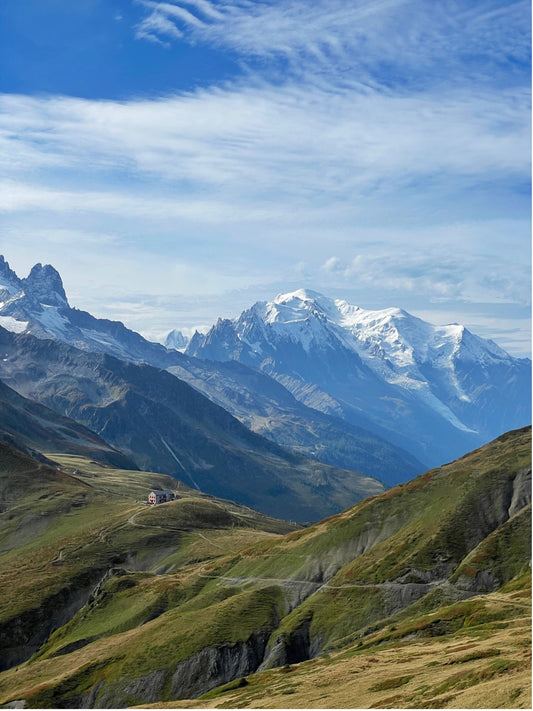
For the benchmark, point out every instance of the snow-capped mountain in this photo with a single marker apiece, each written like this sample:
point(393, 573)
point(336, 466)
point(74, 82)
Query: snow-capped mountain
point(39, 299)
point(38, 306)
point(439, 390)
point(435, 391)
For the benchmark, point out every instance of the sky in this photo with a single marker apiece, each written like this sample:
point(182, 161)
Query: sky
point(177, 161)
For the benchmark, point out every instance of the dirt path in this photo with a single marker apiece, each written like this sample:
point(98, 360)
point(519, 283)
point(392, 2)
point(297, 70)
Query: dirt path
point(319, 586)
point(254, 579)
point(59, 559)
point(226, 550)
point(132, 521)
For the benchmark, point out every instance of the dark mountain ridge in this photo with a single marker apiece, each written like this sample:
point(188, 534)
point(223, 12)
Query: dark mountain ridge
point(164, 425)
point(35, 428)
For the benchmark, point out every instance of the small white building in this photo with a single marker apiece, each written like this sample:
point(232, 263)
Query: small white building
point(159, 496)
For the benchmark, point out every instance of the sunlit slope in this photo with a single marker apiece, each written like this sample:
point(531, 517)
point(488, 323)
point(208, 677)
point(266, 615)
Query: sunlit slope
point(408, 564)
point(62, 532)
point(483, 660)
point(427, 541)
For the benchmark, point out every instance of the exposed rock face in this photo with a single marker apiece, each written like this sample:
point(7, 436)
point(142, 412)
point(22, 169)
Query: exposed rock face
point(290, 648)
point(144, 689)
point(22, 636)
point(483, 581)
point(176, 340)
point(481, 513)
point(214, 666)
point(205, 670)
point(44, 285)
point(521, 492)
point(9, 281)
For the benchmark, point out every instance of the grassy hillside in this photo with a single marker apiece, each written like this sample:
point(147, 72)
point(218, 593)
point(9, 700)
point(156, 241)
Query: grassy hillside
point(63, 531)
point(198, 594)
point(485, 663)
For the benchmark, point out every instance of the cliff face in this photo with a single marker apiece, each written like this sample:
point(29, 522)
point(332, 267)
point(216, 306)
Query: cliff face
point(205, 670)
point(22, 636)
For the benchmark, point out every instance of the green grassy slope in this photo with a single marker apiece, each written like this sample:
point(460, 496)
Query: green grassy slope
point(483, 660)
point(63, 531)
point(173, 620)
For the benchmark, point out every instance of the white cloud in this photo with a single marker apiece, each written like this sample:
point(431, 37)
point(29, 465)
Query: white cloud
point(464, 262)
point(364, 34)
point(155, 25)
point(256, 139)
point(333, 265)
point(166, 9)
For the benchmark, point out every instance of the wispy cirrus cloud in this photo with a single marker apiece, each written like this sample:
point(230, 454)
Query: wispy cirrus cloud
point(388, 41)
point(258, 139)
point(253, 167)
point(157, 26)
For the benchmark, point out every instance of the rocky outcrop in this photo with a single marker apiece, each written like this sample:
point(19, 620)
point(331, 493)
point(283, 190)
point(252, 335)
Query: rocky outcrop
point(521, 494)
point(21, 636)
point(205, 670)
point(214, 666)
point(142, 689)
point(291, 647)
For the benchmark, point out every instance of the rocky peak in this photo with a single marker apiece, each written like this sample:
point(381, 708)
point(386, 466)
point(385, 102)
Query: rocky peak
point(9, 281)
point(45, 286)
point(176, 340)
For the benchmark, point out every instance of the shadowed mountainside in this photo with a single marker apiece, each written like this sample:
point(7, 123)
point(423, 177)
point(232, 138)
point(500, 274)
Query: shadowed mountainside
point(39, 305)
point(38, 429)
point(164, 425)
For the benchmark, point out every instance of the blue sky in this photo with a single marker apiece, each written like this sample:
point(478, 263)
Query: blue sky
point(177, 161)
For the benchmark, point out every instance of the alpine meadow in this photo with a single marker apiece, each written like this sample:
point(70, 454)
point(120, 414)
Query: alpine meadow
point(265, 354)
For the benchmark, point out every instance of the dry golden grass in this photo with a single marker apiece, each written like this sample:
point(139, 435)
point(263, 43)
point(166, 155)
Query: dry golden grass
point(487, 667)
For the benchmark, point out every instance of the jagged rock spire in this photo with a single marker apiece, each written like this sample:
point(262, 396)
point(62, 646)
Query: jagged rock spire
point(45, 286)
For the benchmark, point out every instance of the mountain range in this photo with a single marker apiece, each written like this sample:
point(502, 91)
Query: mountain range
point(412, 596)
point(163, 424)
point(437, 391)
point(257, 400)
point(353, 382)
